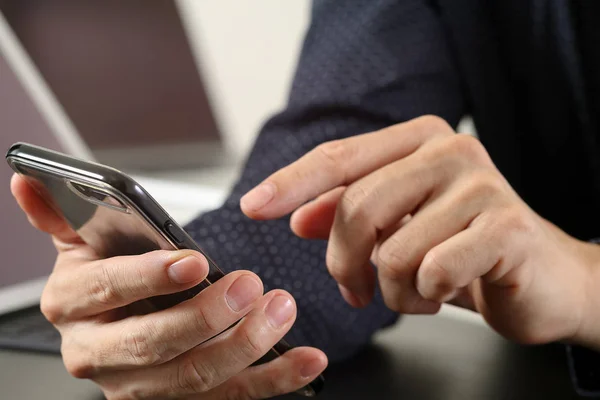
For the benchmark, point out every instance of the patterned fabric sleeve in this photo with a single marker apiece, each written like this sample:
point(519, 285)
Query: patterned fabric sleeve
point(584, 366)
point(365, 64)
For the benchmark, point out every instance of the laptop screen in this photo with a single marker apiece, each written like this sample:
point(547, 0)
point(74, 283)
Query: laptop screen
point(27, 255)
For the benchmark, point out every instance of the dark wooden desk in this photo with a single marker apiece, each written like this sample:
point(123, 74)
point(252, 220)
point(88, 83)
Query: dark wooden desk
point(421, 358)
point(437, 358)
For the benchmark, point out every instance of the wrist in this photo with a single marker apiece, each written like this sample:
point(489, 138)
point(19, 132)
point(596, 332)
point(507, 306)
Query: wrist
point(588, 334)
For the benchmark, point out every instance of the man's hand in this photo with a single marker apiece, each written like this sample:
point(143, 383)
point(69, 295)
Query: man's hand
point(182, 352)
point(429, 209)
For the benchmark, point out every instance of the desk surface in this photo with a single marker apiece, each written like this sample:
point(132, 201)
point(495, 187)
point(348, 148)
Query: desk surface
point(422, 357)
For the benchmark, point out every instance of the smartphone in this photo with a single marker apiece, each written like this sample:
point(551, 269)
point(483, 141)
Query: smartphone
point(115, 216)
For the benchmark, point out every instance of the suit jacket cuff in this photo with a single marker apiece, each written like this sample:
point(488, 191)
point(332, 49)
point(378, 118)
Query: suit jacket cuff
point(584, 367)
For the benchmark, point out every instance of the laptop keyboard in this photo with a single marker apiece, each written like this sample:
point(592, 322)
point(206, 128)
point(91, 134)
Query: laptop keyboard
point(27, 329)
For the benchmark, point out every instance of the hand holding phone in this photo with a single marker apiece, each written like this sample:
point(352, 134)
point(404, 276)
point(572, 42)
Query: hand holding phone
point(122, 318)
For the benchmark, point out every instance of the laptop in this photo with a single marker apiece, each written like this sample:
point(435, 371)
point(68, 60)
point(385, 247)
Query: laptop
point(30, 112)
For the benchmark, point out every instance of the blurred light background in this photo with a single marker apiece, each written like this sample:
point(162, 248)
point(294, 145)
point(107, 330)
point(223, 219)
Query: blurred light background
point(178, 75)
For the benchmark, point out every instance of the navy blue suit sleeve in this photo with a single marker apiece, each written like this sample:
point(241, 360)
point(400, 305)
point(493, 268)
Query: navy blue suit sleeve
point(364, 65)
point(584, 366)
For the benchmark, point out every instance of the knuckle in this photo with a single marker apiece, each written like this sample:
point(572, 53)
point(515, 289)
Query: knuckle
point(194, 377)
point(437, 279)
point(353, 204)
point(390, 260)
point(140, 348)
point(467, 147)
point(203, 322)
point(101, 290)
point(50, 307)
point(273, 386)
point(237, 390)
point(483, 184)
point(251, 345)
point(432, 124)
point(337, 268)
point(334, 152)
point(434, 270)
point(516, 221)
point(77, 365)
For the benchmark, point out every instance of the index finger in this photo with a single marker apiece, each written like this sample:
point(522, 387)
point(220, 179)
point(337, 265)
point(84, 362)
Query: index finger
point(337, 163)
point(40, 214)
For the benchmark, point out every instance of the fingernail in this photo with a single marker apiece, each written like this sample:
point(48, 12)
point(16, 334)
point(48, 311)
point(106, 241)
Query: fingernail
point(258, 197)
point(243, 292)
point(311, 369)
point(279, 311)
point(352, 298)
point(186, 270)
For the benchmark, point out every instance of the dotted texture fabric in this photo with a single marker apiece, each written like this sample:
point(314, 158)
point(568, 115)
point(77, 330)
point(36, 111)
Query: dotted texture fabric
point(353, 77)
